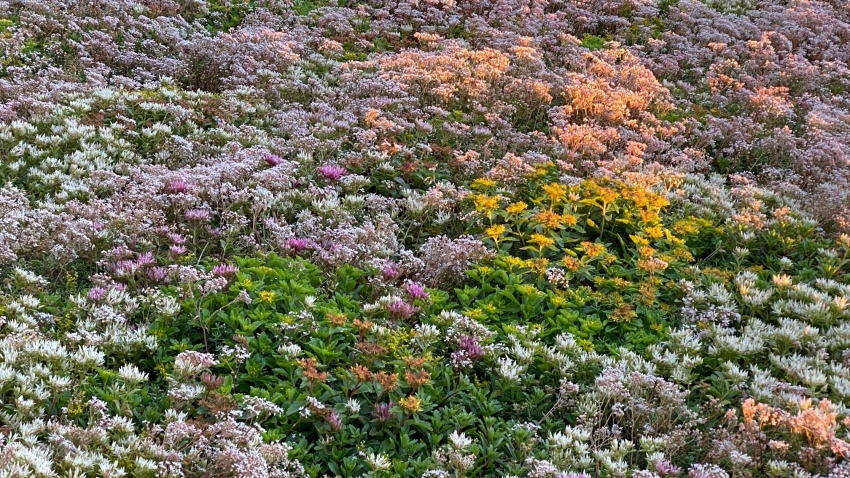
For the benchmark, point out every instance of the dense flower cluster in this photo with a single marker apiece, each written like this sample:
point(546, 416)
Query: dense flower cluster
point(425, 238)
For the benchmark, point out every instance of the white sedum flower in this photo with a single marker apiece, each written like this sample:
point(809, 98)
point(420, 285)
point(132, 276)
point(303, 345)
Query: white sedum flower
point(459, 441)
point(378, 462)
point(509, 369)
point(290, 351)
point(131, 374)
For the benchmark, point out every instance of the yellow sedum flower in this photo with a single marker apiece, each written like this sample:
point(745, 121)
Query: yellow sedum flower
point(548, 218)
point(607, 195)
point(495, 232)
point(683, 254)
point(475, 314)
point(483, 183)
point(556, 192)
point(527, 289)
point(593, 249)
point(516, 208)
point(655, 232)
point(484, 203)
point(640, 241)
point(539, 265)
point(586, 345)
point(267, 296)
point(411, 404)
point(571, 263)
point(646, 251)
point(395, 342)
point(685, 227)
point(540, 170)
point(541, 241)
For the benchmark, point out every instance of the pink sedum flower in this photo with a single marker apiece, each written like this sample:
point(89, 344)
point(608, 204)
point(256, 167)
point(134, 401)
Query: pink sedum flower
point(198, 215)
point(400, 310)
point(334, 421)
point(177, 186)
point(97, 293)
point(332, 172)
point(297, 245)
point(389, 272)
point(272, 159)
point(416, 291)
point(157, 274)
point(225, 270)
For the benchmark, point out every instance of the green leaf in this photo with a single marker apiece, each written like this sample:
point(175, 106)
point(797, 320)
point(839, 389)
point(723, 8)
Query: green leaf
point(227, 386)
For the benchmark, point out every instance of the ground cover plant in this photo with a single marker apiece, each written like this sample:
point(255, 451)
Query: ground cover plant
point(425, 238)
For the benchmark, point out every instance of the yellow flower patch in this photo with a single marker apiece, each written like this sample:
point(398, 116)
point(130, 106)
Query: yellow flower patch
point(548, 219)
point(516, 208)
point(495, 232)
point(411, 404)
point(556, 192)
point(484, 203)
point(482, 183)
point(541, 241)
